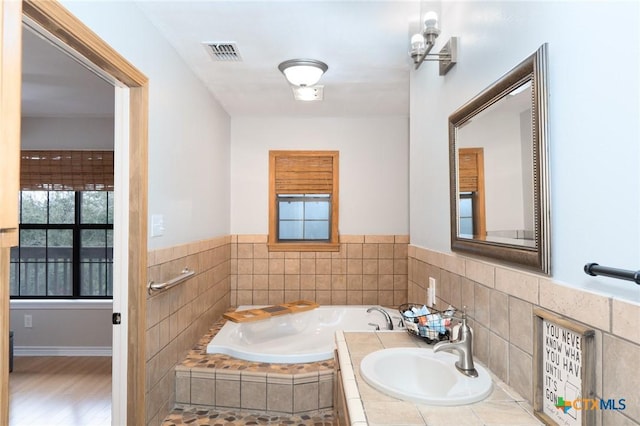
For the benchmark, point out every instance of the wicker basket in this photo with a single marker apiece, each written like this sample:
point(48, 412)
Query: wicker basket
point(429, 327)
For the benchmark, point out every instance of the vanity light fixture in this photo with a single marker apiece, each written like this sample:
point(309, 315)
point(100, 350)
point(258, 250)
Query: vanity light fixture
point(422, 43)
point(303, 72)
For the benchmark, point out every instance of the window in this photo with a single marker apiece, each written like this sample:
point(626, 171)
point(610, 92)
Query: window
point(66, 245)
point(303, 200)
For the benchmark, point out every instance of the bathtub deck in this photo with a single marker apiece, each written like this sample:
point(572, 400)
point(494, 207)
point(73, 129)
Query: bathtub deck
point(217, 381)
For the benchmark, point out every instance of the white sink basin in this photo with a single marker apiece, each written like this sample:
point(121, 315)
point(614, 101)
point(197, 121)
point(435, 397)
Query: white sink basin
point(421, 376)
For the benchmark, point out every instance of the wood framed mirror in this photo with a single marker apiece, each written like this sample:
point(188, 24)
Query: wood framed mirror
point(499, 169)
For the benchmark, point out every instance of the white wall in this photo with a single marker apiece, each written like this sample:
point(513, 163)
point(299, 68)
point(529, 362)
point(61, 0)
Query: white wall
point(89, 133)
point(373, 169)
point(593, 118)
point(62, 327)
point(189, 131)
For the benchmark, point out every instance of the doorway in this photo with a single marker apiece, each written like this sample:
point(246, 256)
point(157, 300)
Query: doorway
point(130, 173)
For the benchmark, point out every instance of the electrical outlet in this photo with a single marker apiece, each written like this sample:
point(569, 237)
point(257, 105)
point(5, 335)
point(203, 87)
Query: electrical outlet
point(28, 321)
point(432, 291)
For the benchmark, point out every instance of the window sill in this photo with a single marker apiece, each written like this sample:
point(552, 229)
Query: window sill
point(304, 246)
point(61, 304)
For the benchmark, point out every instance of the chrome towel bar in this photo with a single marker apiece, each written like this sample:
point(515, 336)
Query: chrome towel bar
point(184, 275)
point(594, 269)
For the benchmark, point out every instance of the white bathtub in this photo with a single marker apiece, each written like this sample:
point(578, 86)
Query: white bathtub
point(294, 338)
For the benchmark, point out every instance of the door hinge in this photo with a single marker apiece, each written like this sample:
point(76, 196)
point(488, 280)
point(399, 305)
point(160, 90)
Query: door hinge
point(116, 318)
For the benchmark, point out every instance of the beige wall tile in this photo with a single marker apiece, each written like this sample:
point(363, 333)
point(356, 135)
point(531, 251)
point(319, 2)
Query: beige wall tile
point(625, 320)
point(276, 282)
point(521, 372)
point(500, 314)
point(292, 266)
point(481, 343)
point(352, 239)
point(385, 282)
point(480, 272)
point(369, 251)
point(308, 266)
point(354, 297)
point(370, 282)
point(354, 251)
point(245, 251)
point(276, 266)
point(377, 239)
point(279, 397)
point(338, 266)
point(248, 238)
point(385, 266)
point(307, 282)
point(499, 357)
point(620, 375)
point(590, 308)
point(521, 324)
point(482, 305)
point(261, 282)
point(519, 284)
point(338, 297)
point(354, 266)
point(323, 266)
point(323, 282)
point(370, 266)
point(292, 282)
point(260, 266)
point(385, 251)
point(338, 282)
point(354, 282)
point(260, 251)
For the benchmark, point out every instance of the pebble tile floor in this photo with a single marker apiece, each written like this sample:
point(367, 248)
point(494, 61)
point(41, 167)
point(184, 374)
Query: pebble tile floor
point(204, 417)
point(210, 417)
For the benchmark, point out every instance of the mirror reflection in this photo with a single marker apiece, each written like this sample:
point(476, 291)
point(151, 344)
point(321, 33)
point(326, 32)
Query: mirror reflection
point(495, 176)
point(498, 160)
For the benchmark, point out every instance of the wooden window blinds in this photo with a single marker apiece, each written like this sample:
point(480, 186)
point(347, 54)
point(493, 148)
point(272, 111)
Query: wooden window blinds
point(303, 172)
point(66, 171)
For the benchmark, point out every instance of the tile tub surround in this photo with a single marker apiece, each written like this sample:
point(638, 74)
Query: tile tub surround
point(368, 270)
point(500, 302)
point(178, 317)
point(217, 381)
point(367, 406)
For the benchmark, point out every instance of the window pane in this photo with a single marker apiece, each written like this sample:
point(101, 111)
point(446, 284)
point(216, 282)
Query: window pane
point(290, 230)
point(316, 210)
point(62, 206)
point(33, 244)
point(290, 210)
point(96, 257)
point(110, 210)
point(33, 279)
point(93, 245)
point(59, 279)
point(316, 230)
point(94, 207)
point(13, 279)
point(34, 207)
point(466, 226)
point(466, 207)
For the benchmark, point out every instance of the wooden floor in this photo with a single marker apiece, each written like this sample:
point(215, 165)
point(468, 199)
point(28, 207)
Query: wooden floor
point(70, 391)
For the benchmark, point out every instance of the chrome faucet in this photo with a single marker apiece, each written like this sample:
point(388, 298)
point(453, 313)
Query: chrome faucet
point(387, 317)
point(463, 345)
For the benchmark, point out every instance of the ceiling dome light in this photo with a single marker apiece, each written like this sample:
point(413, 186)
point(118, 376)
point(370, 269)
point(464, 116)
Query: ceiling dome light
point(303, 72)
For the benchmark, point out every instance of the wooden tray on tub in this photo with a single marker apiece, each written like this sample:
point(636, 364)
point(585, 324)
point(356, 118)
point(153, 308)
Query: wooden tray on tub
point(270, 311)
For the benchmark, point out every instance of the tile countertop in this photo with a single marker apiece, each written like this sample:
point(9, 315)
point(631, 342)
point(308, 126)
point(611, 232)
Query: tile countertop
point(368, 406)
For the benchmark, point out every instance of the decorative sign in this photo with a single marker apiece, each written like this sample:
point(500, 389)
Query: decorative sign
point(563, 370)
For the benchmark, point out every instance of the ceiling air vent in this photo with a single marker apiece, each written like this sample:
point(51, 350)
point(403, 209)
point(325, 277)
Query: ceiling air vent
point(223, 51)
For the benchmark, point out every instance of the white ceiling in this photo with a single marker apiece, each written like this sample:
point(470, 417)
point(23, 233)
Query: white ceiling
point(364, 42)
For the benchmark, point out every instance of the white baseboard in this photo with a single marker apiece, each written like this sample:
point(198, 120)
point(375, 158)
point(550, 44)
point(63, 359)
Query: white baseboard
point(62, 351)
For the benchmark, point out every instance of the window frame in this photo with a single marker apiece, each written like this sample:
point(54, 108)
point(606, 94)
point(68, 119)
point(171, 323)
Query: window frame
point(333, 243)
point(77, 228)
